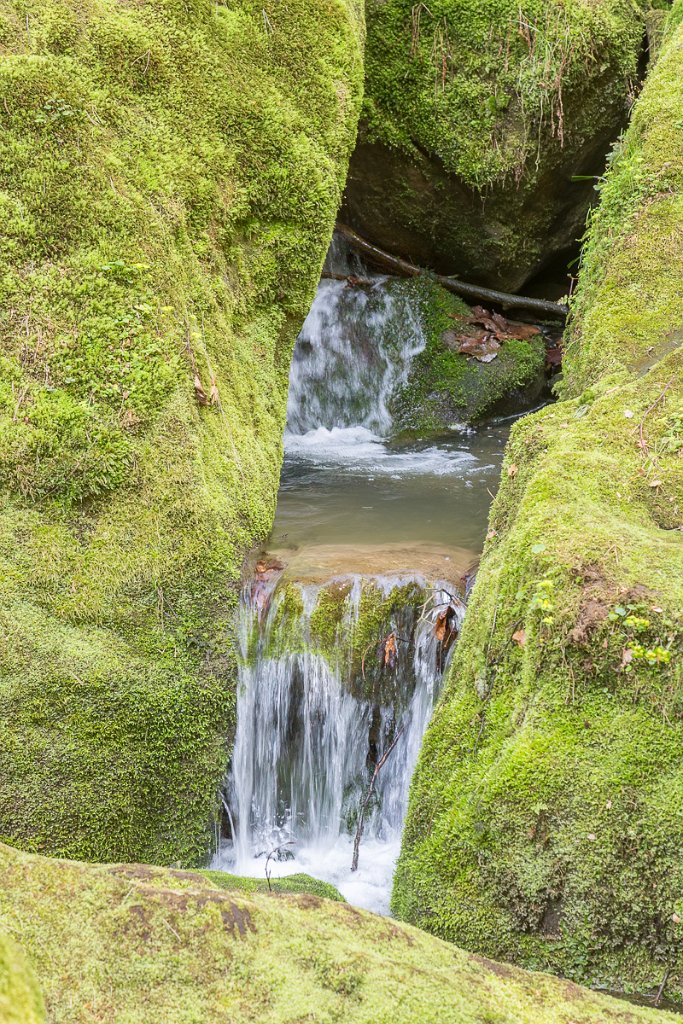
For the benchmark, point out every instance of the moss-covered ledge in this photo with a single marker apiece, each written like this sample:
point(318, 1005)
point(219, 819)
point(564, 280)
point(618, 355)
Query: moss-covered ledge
point(545, 822)
point(169, 177)
point(131, 943)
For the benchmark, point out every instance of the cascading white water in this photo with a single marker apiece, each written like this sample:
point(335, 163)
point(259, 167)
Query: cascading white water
point(309, 735)
point(354, 350)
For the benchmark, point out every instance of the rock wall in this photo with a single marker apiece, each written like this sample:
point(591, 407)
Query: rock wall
point(544, 824)
point(169, 177)
point(477, 116)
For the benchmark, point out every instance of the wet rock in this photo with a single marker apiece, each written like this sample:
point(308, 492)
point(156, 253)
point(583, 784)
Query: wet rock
point(465, 374)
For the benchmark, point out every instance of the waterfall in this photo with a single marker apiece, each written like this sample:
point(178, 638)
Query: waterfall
point(313, 721)
point(323, 695)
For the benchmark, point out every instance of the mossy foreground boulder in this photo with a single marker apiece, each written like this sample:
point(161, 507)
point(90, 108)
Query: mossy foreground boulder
point(20, 999)
point(169, 176)
point(127, 944)
point(545, 821)
point(477, 115)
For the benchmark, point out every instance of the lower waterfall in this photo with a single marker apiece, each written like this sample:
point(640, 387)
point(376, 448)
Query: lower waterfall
point(316, 714)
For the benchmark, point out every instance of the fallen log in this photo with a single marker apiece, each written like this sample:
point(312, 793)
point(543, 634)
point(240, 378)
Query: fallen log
point(543, 308)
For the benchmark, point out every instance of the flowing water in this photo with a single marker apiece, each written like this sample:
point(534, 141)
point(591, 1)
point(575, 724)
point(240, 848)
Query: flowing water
point(312, 725)
point(360, 514)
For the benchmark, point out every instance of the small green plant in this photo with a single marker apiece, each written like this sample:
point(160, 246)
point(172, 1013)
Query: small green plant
point(57, 113)
point(543, 601)
point(648, 649)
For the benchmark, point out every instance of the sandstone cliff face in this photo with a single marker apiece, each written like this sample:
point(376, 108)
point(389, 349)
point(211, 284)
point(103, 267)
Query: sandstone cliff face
point(169, 177)
point(477, 116)
point(545, 822)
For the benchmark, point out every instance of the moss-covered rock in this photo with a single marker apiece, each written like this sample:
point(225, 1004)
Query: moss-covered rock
point(477, 115)
point(545, 820)
point(347, 620)
point(445, 387)
point(298, 884)
point(169, 177)
point(128, 943)
point(21, 1001)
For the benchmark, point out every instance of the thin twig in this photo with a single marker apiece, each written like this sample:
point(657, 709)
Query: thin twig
point(660, 993)
point(361, 818)
point(272, 853)
point(643, 444)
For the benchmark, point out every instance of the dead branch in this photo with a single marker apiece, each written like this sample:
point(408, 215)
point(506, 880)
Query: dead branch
point(393, 264)
point(371, 788)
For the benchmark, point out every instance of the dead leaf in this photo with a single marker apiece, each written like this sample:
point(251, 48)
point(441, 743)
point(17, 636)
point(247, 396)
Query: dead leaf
point(129, 419)
point(553, 357)
point(266, 568)
point(495, 323)
point(513, 471)
point(200, 393)
point(483, 347)
point(444, 624)
point(215, 398)
point(626, 658)
point(390, 651)
point(675, 918)
point(656, 483)
point(520, 637)
point(491, 534)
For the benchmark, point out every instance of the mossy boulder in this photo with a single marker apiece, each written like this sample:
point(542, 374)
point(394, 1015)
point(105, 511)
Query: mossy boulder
point(545, 820)
point(21, 1001)
point(128, 943)
point(478, 115)
point(445, 387)
point(169, 177)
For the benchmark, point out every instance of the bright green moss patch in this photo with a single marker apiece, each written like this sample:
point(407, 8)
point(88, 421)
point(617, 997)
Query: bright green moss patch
point(545, 824)
point(288, 884)
point(445, 387)
point(169, 176)
point(628, 313)
point(133, 943)
point(20, 998)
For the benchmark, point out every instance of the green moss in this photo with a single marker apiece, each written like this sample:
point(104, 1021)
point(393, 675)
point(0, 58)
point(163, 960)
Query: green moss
point(134, 944)
point(347, 624)
point(20, 998)
point(458, 98)
point(475, 111)
point(444, 387)
point(628, 313)
point(288, 884)
point(169, 177)
point(544, 823)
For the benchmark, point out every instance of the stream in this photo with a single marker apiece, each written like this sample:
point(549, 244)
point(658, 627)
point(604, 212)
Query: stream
point(376, 534)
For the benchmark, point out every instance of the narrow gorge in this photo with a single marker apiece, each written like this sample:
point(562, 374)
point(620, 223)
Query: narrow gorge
point(341, 478)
